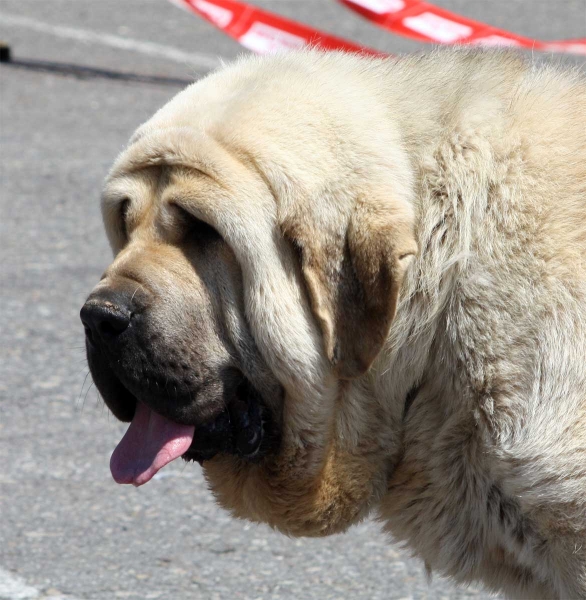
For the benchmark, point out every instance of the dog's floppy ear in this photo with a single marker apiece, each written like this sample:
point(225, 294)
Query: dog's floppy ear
point(353, 267)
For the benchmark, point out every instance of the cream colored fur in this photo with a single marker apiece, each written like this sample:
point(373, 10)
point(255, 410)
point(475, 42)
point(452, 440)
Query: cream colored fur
point(464, 175)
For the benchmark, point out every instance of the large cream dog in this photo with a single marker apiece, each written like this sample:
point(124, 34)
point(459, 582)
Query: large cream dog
point(353, 286)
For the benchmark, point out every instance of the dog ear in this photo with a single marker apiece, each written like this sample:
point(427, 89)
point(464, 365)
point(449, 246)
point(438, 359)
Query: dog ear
point(353, 271)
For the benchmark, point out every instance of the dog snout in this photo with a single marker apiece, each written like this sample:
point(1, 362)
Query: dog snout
point(105, 317)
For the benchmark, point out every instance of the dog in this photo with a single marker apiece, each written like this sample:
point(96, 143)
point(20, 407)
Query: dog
point(353, 286)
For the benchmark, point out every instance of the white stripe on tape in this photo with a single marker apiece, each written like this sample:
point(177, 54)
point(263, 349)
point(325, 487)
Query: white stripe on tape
point(264, 39)
point(437, 28)
point(203, 61)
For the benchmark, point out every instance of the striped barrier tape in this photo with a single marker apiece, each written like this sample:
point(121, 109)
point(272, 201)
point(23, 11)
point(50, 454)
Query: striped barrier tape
point(262, 31)
point(425, 22)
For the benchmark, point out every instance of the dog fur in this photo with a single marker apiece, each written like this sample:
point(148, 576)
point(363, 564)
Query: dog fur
point(404, 228)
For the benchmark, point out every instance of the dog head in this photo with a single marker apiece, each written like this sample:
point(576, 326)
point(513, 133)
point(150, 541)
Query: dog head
point(261, 224)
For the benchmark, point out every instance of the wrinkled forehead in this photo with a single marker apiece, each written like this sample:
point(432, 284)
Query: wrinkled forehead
point(173, 146)
point(214, 182)
point(184, 161)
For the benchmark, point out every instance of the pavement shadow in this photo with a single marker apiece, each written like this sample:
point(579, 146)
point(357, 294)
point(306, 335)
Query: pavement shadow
point(84, 72)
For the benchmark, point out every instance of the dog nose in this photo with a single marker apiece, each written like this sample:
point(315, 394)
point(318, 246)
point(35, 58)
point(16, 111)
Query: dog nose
point(104, 318)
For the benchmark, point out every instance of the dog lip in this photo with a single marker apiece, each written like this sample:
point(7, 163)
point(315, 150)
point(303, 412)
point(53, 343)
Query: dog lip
point(118, 398)
point(237, 425)
point(89, 336)
point(244, 429)
point(119, 391)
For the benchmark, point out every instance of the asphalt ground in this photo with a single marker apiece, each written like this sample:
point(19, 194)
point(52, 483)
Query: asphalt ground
point(85, 75)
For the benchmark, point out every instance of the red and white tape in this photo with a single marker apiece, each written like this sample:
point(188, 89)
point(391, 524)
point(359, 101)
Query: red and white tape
point(262, 31)
point(425, 22)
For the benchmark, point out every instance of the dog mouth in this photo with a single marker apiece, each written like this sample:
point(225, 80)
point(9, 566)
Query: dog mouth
point(152, 440)
point(240, 425)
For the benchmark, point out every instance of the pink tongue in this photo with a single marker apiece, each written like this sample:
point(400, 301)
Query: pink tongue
point(151, 442)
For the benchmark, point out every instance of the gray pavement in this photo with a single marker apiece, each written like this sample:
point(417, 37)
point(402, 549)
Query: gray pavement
point(66, 530)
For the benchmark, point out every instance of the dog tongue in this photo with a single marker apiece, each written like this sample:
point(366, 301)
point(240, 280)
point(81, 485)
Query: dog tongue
point(151, 442)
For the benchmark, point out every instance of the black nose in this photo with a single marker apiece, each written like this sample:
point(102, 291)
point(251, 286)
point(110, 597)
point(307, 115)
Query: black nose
point(104, 317)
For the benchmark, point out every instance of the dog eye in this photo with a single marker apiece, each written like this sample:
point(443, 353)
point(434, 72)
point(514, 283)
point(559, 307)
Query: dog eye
point(196, 227)
point(123, 215)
